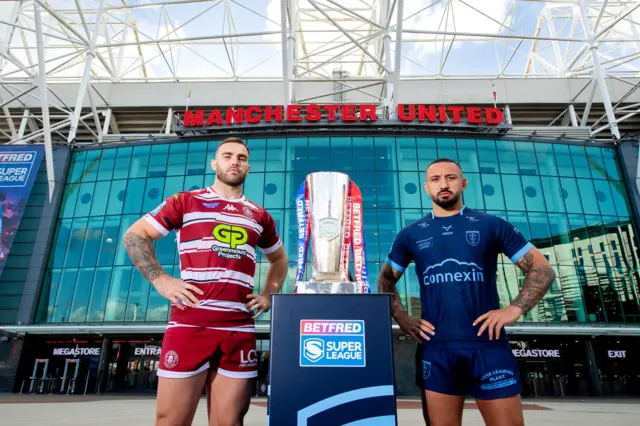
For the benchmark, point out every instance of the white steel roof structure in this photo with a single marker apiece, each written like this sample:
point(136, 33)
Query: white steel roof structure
point(96, 71)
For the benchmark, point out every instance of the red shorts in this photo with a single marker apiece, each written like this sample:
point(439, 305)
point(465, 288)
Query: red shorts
point(190, 350)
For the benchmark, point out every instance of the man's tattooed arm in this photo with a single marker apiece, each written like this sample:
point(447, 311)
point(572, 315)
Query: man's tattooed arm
point(387, 281)
point(538, 279)
point(139, 245)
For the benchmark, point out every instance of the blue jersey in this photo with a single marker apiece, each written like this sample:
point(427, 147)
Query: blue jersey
point(456, 259)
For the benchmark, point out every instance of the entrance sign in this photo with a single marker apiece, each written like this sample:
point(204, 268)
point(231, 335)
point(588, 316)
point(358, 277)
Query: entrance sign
point(18, 169)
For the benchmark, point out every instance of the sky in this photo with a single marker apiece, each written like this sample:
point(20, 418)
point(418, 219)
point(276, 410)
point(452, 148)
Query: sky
point(259, 56)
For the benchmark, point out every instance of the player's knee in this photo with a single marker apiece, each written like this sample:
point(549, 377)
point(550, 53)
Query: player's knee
point(166, 417)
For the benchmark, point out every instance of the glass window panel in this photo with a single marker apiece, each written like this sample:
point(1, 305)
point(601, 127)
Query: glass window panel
point(211, 154)
point(109, 240)
point(366, 181)
point(527, 161)
point(427, 152)
point(546, 160)
point(91, 166)
point(561, 235)
point(158, 160)
point(77, 167)
point(487, 156)
point(257, 155)
point(319, 154)
point(580, 162)
point(341, 154)
point(76, 241)
point(447, 148)
point(513, 187)
point(276, 155)
point(194, 182)
point(140, 161)
point(473, 194)
point(596, 163)
point(611, 164)
point(553, 196)
point(177, 159)
point(387, 189)
point(410, 190)
point(294, 180)
point(172, 185)
point(532, 189)
point(410, 216)
point(298, 153)
point(48, 295)
point(158, 306)
point(492, 190)
point(152, 194)
point(570, 278)
point(412, 288)
point(81, 295)
point(107, 164)
point(133, 200)
point(118, 291)
point(588, 196)
point(363, 151)
point(507, 157)
point(93, 241)
point(138, 297)
point(69, 200)
point(254, 187)
point(468, 155)
point(85, 197)
point(117, 194)
point(66, 287)
point(603, 195)
point(123, 163)
point(290, 239)
point(121, 257)
point(407, 155)
point(389, 226)
point(571, 195)
point(274, 190)
point(60, 242)
point(620, 200)
point(541, 234)
point(99, 292)
point(370, 225)
point(166, 248)
point(197, 161)
point(99, 205)
point(385, 153)
point(563, 160)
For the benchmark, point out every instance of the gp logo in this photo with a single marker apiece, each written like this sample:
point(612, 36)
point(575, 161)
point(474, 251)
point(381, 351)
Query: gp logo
point(229, 234)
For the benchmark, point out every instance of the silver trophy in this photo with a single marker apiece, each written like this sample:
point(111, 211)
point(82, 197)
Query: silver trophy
point(328, 198)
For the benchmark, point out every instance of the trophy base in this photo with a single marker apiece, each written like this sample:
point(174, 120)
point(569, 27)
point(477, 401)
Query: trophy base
point(320, 287)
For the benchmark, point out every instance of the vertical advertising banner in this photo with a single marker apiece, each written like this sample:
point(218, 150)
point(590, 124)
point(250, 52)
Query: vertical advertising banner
point(18, 169)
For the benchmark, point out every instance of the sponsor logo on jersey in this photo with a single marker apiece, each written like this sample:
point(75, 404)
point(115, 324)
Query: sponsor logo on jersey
point(248, 359)
point(171, 359)
point(230, 208)
point(232, 235)
point(332, 343)
point(211, 205)
point(423, 225)
point(425, 244)
point(497, 379)
point(473, 238)
point(157, 209)
point(452, 271)
point(447, 230)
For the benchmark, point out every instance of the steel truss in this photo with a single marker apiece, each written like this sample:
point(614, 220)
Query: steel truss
point(329, 51)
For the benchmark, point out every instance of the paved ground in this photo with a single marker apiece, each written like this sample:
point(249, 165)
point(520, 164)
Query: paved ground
point(139, 410)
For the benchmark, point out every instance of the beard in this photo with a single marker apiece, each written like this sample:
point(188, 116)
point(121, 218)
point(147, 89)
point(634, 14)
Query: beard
point(449, 202)
point(230, 179)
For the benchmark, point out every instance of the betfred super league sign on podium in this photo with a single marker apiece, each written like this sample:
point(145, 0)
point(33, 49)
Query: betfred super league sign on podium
point(337, 343)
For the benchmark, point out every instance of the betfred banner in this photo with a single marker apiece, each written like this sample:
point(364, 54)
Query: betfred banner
point(18, 169)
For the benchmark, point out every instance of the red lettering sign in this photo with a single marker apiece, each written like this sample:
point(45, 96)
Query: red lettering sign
point(437, 114)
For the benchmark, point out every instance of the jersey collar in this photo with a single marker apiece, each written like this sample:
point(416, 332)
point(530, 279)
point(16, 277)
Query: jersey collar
point(233, 200)
point(433, 216)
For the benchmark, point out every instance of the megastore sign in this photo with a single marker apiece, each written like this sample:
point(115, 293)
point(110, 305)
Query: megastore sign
point(474, 116)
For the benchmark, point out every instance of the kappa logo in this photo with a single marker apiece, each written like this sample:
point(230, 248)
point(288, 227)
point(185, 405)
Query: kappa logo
point(473, 238)
point(313, 349)
point(230, 208)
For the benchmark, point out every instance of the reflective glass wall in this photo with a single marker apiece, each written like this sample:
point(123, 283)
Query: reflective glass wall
point(569, 200)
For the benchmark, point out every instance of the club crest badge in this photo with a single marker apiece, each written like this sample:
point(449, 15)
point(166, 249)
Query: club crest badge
point(473, 238)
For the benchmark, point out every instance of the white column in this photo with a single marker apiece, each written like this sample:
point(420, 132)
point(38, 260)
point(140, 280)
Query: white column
point(398, 60)
point(286, 65)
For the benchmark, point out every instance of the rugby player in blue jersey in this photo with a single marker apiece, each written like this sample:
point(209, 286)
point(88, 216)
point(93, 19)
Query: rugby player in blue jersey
point(465, 350)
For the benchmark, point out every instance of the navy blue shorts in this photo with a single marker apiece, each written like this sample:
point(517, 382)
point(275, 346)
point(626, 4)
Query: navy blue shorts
point(482, 373)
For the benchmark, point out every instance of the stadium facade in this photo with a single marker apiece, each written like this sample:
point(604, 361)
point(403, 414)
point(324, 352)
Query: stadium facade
point(547, 154)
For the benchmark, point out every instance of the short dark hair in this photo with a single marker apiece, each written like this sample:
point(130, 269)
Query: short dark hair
point(444, 160)
point(232, 139)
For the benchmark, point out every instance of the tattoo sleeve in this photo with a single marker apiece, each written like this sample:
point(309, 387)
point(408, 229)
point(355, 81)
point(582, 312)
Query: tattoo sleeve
point(142, 254)
point(387, 281)
point(537, 282)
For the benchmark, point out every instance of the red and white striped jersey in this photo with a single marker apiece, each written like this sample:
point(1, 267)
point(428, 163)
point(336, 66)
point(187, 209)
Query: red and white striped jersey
point(217, 239)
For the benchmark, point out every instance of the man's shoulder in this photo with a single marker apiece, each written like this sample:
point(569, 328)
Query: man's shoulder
point(412, 228)
point(478, 216)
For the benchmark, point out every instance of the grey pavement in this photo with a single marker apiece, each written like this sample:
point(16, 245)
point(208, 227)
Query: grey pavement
point(139, 410)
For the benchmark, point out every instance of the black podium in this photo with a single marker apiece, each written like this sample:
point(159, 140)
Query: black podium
point(331, 361)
